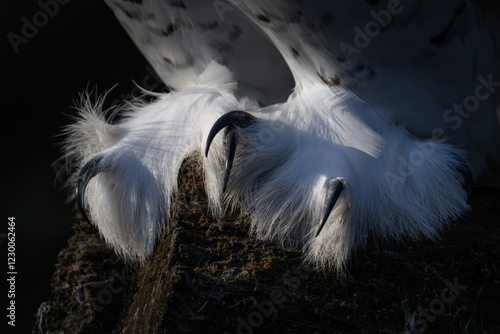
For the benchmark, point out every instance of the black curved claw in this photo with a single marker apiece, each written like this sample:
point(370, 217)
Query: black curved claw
point(237, 118)
point(232, 120)
point(332, 200)
point(231, 142)
point(88, 171)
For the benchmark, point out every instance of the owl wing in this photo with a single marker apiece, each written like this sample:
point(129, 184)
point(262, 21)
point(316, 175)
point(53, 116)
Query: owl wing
point(182, 39)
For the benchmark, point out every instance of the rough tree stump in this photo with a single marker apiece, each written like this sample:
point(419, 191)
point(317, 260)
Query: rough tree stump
point(209, 276)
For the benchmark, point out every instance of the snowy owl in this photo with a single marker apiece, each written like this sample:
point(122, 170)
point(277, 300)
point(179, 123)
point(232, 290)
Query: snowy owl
point(329, 122)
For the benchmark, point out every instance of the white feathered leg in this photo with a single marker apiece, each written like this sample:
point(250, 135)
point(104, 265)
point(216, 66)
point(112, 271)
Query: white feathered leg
point(288, 162)
point(128, 183)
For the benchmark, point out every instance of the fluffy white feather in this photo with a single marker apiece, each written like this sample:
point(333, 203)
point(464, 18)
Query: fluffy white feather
point(400, 179)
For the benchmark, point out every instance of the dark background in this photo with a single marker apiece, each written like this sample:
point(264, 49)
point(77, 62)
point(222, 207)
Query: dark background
point(81, 46)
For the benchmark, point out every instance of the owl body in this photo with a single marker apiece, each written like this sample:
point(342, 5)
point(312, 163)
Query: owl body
point(329, 123)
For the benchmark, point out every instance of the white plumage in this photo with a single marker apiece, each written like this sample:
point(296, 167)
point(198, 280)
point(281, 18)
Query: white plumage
point(368, 142)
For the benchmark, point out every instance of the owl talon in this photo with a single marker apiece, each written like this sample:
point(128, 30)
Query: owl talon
point(231, 121)
point(339, 185)
point(232, 143)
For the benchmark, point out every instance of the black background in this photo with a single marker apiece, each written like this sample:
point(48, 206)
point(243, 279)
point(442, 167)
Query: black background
point(81, 46)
